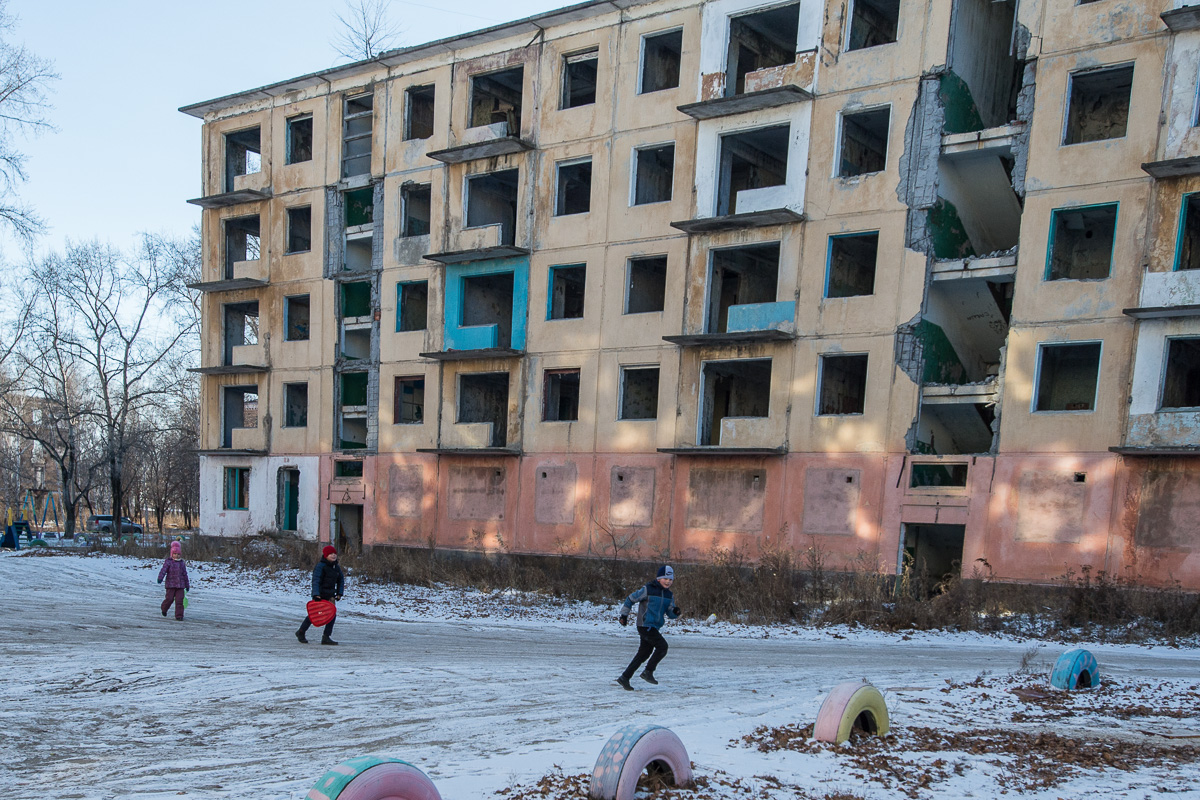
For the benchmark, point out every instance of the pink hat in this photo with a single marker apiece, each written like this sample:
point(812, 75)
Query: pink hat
point(176, 548)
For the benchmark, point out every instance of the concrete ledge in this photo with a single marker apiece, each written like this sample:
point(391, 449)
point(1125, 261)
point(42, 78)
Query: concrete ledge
point(1161, 312)
point(1173, 167)
point(732, 337)
point(229, 285)
point(943, 394)
point(229, 451)
point(471, 451)
point(1156, 451)
point(1001, 137)
point(1182, 19)
point(234, 198)
point(749, 101)
point(231, 369)
point(479, 254)
point(469, 355)
point(710, 450)
point(732, 222)
point(470, 152)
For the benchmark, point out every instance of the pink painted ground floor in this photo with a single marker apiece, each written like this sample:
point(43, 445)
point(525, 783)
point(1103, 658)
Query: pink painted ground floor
point(1019, 517)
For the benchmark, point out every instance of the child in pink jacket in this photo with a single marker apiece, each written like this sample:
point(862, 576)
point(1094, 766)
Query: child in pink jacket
point(174, 570)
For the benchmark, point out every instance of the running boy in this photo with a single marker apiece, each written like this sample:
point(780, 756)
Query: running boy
point(328, 582)
point(655, 604)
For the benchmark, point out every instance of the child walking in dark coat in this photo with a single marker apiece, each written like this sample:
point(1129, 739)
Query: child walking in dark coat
point(328, 582)
point(655, 605)
point(174, 571)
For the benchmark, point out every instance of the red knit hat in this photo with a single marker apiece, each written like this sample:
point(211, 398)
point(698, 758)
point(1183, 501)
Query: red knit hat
point(328, 549)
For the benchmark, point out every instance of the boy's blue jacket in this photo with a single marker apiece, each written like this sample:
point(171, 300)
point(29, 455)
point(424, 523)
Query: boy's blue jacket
point(655, 604)
point(328, 580)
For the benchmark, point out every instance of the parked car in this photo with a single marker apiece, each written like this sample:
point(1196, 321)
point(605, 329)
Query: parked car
point(103, 523)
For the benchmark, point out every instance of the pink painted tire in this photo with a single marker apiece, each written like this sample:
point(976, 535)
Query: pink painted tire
point(371, 778)
point(851, 705)
point(627, 755)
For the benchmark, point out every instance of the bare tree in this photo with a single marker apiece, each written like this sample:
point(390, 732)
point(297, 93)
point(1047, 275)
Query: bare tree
point(365, 30)
point(24, 83)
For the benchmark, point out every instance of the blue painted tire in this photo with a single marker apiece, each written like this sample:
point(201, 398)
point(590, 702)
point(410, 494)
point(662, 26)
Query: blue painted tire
point(627, 754)
point(1075, 669)
point(372, 778)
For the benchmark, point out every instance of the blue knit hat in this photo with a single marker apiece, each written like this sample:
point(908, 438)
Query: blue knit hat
point(665, 571)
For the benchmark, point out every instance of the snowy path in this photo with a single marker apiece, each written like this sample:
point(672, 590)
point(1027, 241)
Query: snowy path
point(103, 698)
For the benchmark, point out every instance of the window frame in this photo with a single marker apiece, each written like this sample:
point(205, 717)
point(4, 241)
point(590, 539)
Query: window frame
point(400, 305)
point(821, 382)
point(629, 281)
point(1179, 230)
point(829, 263)
point(552, 274)
point(287, 321)
point(235, 489)
point(633, 171)
point(621, 370)
point(1050, 240)
point(549, 372)
point(558, 166)
point(396, 420)
point(1037, 377)
point(841, 137)
point(284, 415)
point(288, 160)
point(1162, 378)
point(287, 245)
point(575, 57)
point(1069, 96)
point(641, 70)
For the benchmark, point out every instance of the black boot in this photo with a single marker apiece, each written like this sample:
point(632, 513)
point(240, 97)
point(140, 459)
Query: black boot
point(327, 640)
point(300, 637)
point(648, 677)
point(624, 682)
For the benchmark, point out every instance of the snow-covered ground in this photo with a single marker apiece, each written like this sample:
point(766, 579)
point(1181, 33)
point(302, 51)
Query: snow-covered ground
point(101, 697)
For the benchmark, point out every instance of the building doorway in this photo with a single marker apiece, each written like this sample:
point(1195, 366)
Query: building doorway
point(347, 529)
point(287, 511)
point(933, 551)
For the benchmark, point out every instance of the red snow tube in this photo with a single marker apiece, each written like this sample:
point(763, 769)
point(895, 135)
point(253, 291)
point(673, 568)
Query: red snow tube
point(321, 612)
point(371, 778)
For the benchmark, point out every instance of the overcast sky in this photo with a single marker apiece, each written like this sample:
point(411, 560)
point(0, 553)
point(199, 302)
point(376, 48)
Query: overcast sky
point(123, 159)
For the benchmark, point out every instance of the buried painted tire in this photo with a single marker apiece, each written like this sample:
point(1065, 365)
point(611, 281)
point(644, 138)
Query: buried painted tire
point(627, 754)
point(371, 778)
point(851, 705)
point(1075, 669)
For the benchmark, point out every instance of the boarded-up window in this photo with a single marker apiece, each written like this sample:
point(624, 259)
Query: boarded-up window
point(476, 493)
point(554, 495)
point(405, 491)
point(1051, 507)
point(831, 501)
point(726, 499)
point(631, 497)
point(1169, 511)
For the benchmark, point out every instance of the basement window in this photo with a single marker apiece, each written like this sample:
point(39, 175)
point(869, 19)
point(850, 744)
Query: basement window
point(1099, 104)
point(741, 276)
point(410, 401)
point(492, 200)
point(347, 469)
point(751, 160)
point(647, 286)
point(356, 300)
point(654, 174)
point(1181, 382)
point(414, 306)
point(299, 222)
point(661, 54)
point(240, 410)
point(1067, 377)
point(1188, 247)
point(415, 208)
point(639, 393)
point(296, 315)
point(418, 119)
point(579, 79)
point(483, 397)
point(566, 291)
point(243, 155)
point(574, 187)
point(295, 405)
point(760, 40)
point(241, 327)
point(237, 488)
point(864, 142)
point(299, 139)
point(488, 300)
point(733, 389)
point(560, 395)
point(843, 385)
point(496, 97)
point(242, 242)
point(1081, 243)
point(872, 23)
point(357, 122)
point(851, 271)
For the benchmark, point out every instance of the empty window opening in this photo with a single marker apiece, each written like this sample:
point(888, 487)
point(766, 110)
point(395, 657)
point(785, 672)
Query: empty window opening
point(872, 23)
point(1067, 377)
point(357, 122)
point(415, 208)
point(574, 184)
point(639, 393)
point(296, 315)
point(344, 468)
point(240, 410)
point(295, 405)
point(488, 300)
point(418, 121)
point(751, 160)
point(359, 207)
point(1081, 243)
point(354, 389)
point(1189, 233)
point(843, 387)
point(579, 79)
point(654, 174)
point(483, 397)
point(410, 401)
point(356, 340)
point(741, 276)
point(241, 327)
point(414, 306)
point(354, 431)
point(237, 488)
point(864, 142)
point(852, 265)
point(1099, 104)
point(955, 429)
point(496, 97)
point(566, 291)
point(243, 155)
point(560, 395)
point(733, 389)
point(359, 212)
point(933, 555)
point(356, 300)
point(934, 474)
point(299, 139)
point(299, 221)
point(1181, 380)
point(241, 242)
point(647, 289)
point(492, 200)
point(661, 55)
point(761, 40)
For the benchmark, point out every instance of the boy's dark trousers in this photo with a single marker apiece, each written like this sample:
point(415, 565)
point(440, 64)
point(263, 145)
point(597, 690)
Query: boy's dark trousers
point(652, 642)
point(304, 626)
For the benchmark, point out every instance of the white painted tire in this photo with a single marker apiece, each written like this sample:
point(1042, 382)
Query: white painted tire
point(627, 754)
point(850, 705)
point(371, 778)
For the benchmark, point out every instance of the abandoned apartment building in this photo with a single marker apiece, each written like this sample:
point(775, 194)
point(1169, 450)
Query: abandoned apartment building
point(648, 278)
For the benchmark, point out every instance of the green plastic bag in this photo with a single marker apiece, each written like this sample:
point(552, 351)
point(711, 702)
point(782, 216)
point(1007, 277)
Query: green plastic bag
point(185, 598)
